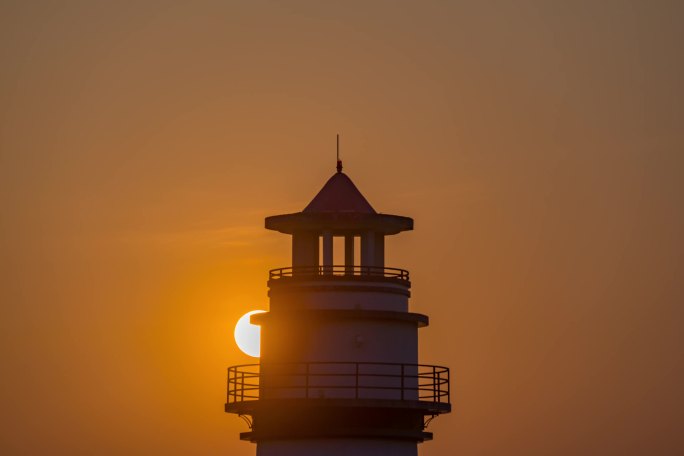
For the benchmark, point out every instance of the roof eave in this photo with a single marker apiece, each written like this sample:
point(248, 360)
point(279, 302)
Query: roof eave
point(339, 223)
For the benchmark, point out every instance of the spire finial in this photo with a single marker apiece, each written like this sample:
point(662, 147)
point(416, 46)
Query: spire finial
point(339, 162)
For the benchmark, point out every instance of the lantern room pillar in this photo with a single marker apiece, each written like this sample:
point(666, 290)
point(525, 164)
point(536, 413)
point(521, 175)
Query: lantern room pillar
point(327, 252)
point(368, 249)
point(304, 249)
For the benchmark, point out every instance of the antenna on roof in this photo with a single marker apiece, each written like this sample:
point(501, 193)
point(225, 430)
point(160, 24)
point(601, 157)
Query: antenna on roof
point(339, 162)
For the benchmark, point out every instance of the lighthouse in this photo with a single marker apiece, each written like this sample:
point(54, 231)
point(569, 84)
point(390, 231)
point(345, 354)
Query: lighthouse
point(339, 372)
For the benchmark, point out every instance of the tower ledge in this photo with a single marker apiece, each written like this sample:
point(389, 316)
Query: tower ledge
point(339, 223)
point(419, 320)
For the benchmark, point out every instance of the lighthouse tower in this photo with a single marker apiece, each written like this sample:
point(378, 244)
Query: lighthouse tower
point(339, 371)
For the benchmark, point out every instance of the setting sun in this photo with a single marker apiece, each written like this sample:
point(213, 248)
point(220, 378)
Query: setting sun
point(247, 335)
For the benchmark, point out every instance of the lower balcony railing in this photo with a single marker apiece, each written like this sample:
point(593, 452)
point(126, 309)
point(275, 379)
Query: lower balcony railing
point(356, 381)
point(313, 272)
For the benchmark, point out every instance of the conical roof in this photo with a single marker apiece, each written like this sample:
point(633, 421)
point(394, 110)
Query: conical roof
point(339, 208)
point(339, 194)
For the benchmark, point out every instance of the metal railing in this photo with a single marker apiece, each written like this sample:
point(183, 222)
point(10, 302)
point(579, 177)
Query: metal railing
point(320, 380)
point(339, 271)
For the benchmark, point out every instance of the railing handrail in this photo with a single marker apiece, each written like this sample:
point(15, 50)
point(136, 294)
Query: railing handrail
point(430, 382)
point(338, 270)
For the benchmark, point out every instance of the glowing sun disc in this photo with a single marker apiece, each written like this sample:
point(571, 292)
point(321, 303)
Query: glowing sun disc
point(248, 336)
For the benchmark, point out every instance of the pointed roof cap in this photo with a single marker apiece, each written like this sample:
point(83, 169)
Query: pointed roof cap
point(339, 207)
point(339, 194)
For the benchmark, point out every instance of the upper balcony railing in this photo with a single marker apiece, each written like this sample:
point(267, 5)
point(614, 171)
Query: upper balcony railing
point(419, 383)
point(340, 271)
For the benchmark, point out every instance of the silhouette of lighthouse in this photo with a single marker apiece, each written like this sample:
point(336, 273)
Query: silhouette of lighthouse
point(339, 372)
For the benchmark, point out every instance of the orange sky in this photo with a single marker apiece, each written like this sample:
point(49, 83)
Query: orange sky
point(538, 145)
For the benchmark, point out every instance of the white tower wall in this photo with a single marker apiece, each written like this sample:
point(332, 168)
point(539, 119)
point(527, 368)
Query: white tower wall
point(342, 295)
point(363, 341)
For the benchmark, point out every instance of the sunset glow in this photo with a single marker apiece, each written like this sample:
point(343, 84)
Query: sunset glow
point(538, 145)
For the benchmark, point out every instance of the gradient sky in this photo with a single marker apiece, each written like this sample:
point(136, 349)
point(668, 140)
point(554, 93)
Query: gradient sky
point(539, 147)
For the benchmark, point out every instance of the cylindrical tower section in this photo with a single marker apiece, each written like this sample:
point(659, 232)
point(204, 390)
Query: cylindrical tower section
point(339, 370)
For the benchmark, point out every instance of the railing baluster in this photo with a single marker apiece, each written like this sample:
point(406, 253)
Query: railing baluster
point(448, 387)
point(435, 386)
point(242, 386)
point(229, 374)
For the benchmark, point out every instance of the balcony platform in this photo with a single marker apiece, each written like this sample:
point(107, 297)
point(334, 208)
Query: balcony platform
point(420, 388)
point(371, 400)
point(253, 407)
